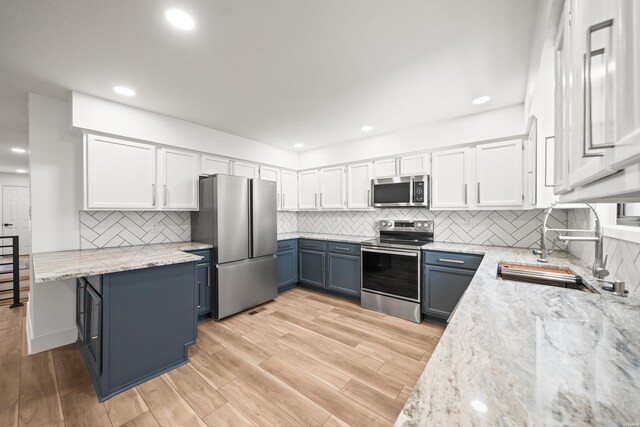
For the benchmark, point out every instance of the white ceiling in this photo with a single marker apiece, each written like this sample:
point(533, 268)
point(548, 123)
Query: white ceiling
point(278, 71)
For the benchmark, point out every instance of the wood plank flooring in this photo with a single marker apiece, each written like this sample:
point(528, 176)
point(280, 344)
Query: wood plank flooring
point(305, 359)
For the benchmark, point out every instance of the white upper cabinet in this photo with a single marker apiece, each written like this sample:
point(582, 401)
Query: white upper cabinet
point(332, 188)
point(450, 179)
point(359, 185)
point(308, 190)
point(385, 168)
point(212, 165)
point(417, 164)
point(178, 177)
point(598, 93)
point(248, 170)
point(119, 174)
point(499, 174)
point(273, 174)
point(289, 190)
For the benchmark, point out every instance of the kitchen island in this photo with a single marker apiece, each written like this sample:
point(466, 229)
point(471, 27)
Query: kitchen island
point(525, 354)
point(136, 309)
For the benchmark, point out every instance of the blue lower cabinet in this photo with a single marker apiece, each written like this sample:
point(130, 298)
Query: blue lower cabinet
point(287, 264)
point(344, 274)
point(204, 284)
point(137, 325)
point(311, 266)
point(203, 281)
point(442, 289)
point(287, 270)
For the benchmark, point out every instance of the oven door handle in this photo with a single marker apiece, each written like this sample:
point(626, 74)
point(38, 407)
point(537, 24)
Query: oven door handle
point(385, 251)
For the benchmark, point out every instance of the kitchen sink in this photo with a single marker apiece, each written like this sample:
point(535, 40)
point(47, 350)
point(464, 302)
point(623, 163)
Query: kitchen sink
point(561, 277)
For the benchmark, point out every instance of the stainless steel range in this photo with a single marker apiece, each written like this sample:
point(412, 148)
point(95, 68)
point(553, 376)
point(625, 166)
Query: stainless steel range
point(391, 268)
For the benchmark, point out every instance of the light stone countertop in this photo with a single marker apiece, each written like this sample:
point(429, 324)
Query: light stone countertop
point(526, 354)
point(52, 266)
point(329, 237)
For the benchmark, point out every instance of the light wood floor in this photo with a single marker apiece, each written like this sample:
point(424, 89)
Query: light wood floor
point(305, 359)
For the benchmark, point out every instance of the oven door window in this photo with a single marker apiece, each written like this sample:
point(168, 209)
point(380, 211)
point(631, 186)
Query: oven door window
point(392, 193)
point(396, 275)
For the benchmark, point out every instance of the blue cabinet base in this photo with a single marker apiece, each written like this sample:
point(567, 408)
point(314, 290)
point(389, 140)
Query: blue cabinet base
point(138, 325)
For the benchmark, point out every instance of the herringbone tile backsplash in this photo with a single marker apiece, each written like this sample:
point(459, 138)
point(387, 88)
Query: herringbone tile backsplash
point(497, 228)
point(623, 260)
point(104, 229)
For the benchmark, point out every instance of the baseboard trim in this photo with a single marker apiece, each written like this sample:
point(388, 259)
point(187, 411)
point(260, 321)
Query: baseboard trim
point(48, 342)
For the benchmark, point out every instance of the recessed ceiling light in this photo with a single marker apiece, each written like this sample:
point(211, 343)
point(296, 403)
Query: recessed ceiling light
point(366, 128)
point(180, 19)
point(481, 100)
point(18, 150)
point(124, 91)
point(479, 406)
point(298, 145)
point(21, 171)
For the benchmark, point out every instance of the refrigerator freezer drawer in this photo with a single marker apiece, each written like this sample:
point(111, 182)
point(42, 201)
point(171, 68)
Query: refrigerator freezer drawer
point(245, 284)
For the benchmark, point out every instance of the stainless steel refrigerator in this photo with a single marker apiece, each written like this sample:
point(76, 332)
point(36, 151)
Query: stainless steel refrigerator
point(238, 217)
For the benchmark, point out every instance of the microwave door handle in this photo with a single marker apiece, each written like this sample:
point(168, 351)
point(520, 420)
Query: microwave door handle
point(411, 181)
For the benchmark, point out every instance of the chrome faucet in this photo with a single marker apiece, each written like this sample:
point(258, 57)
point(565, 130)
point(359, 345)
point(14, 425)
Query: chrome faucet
point(599, 264)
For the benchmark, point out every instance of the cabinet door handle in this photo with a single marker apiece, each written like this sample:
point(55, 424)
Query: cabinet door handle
point(153, 194)
point(478, 192)
point(321, 197)
point(465, 194)
point(452, 261)
point(199, 301)
point(166, 195)
point(369, 198)
point(94, 338)
point(328, 265)
point(209, 276)
point(338, 248)
point(587, 104)
point(315, 200)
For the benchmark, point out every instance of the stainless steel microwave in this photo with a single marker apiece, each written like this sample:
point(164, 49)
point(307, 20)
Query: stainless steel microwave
point(401, 191)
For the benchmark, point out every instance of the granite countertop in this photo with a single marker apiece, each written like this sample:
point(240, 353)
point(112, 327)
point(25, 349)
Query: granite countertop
point(526, 354)
point(51, 266)
point(330, 237)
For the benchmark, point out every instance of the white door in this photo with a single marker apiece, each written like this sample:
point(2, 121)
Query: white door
point(308, 190)
point(120, 174)
point(16, 218)
point(417, 164)
point(179, 179)
point(289, 190)
point(212, 165)
point(450, 177)
point(273, 174)
point(332, 188)
point(248, 170)
point(359, 186)
point(499, 174)
point(562, 103)
point(588, 164)
point(385, 167)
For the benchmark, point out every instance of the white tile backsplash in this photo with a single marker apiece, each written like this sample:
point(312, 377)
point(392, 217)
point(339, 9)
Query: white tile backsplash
point(623, 257)
point(104, 229)
point(497, 228)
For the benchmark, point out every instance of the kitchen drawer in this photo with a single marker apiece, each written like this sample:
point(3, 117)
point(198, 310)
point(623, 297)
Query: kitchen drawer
point(344, 248)
point(316, 245)
point(285, 245)
point(205, 254)
point(452, 259)
point(95, 282)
